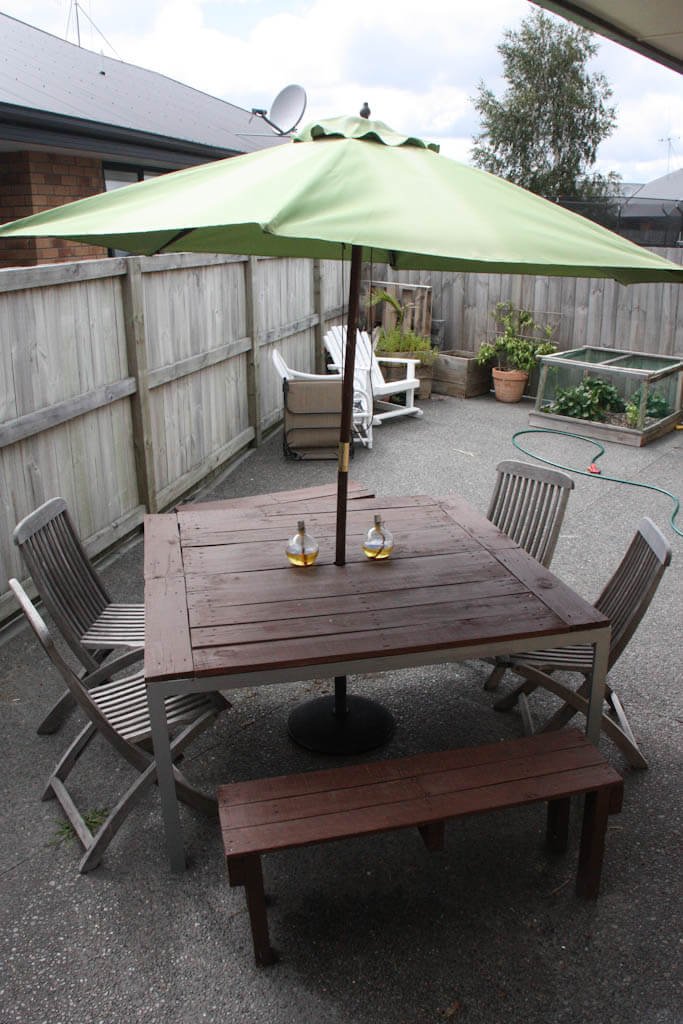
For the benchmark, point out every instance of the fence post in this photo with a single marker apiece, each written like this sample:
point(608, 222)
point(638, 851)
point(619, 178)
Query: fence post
point(136, 349)
point(254, 353)
point(319, 328)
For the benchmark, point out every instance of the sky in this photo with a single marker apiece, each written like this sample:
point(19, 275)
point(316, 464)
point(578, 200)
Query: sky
point(416, 62)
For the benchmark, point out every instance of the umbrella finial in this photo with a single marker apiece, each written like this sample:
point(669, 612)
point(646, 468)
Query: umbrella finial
point(365, 110)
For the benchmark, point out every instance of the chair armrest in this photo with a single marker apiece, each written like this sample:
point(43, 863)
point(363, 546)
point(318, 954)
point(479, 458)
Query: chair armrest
point(302, 375)
point(358, 365)
point(410, 364)
point(111, 666)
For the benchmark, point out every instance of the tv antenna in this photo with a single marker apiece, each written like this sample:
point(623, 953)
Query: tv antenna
point(74, 9)
point(670, 148)
point(286, 110)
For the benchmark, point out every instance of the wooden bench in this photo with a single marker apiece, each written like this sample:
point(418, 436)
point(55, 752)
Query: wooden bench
point(263, 815)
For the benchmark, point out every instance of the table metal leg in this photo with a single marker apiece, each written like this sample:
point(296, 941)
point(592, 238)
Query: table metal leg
point(596, 696)
point(169, 801)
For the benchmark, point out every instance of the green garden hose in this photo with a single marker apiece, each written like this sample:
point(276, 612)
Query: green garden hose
point(593, 470)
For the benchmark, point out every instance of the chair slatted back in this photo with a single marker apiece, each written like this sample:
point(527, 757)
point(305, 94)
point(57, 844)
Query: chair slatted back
point(79, 691)
point(62, 573)
point(528, 504)
point(628, 594)
point(366, 361)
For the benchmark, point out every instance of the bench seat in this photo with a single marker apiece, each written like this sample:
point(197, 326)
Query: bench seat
point(264, 815)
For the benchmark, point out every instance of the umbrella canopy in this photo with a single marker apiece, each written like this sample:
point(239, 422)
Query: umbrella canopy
point(352, 188)
point(351, 181)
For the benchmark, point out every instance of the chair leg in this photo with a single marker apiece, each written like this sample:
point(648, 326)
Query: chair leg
point(107, 831)
point(68, 759)
point(496, 676)
point(576, 701)
point(194, 797)
point(507, 702)
point(55, 717)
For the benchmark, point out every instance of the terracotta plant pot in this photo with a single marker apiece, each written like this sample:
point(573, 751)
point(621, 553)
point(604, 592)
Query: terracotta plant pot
point(509, 385)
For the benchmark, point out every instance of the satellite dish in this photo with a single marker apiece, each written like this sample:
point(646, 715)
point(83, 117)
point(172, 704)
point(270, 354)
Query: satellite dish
point(286, 110)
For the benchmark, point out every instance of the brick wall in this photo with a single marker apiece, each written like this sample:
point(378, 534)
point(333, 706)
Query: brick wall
point(31, 182)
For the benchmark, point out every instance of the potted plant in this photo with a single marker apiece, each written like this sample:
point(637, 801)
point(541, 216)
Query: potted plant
point(514, 352)
point(401, 342)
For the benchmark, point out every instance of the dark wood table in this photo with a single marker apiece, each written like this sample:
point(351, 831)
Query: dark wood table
point(224, 609)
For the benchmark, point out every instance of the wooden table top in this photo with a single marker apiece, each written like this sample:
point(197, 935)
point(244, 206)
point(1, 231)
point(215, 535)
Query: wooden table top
point(221, 598)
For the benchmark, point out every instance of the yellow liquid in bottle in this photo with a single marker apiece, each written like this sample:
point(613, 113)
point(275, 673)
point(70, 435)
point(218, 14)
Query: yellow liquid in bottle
point(299, 558)
point(377, 554)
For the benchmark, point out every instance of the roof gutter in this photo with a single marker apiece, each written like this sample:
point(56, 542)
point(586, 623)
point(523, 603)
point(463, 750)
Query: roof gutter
point(43, 128)
point(587, 19)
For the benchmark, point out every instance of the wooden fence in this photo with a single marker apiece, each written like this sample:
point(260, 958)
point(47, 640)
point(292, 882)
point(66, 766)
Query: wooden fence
point(124, 382)
point(637, 318)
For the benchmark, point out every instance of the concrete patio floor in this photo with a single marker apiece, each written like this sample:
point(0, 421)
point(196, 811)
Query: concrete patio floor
point(372, 931)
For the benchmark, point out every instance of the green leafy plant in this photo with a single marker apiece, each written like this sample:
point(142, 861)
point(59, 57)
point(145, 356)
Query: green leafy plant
point(399, 338)
point(396, 340)
point(657, 407)
point(380, 295)
point(592, 399)
point(93, 819)
point(515, 348)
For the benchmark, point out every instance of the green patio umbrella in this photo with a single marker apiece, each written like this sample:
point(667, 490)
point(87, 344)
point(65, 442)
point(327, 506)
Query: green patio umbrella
point(351, 188)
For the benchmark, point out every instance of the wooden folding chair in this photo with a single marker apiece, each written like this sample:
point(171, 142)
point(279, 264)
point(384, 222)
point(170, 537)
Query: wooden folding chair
point(624, 600)
point(76, 598)
point(117, 710)
point(528, 504)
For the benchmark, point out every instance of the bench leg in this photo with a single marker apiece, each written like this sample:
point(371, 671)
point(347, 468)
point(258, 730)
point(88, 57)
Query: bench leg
point(247, 871)
point(557, 830)
point(595, 813)
point(433, 835)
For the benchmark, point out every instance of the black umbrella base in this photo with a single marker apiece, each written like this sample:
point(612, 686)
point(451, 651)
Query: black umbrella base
point(316, 726)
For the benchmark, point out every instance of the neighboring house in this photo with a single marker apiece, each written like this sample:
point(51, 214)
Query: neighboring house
point(653, 214)
point(74, 123)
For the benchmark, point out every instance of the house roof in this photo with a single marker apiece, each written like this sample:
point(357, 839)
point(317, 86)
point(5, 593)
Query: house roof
point(654, 29)
point(52, 91)
point(659, 198)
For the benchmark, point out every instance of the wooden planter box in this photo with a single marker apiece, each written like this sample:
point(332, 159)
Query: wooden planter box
point(458, 374)
point(605, 431)
point(423, 373)
point(630, 373)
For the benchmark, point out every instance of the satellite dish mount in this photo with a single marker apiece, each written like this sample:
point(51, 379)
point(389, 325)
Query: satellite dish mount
point(286, 110)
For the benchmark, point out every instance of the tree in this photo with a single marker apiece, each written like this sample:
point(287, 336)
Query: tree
point(544, 133)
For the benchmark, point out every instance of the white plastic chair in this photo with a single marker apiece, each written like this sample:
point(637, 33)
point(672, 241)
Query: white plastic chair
point(362, 405)
point(369, 377)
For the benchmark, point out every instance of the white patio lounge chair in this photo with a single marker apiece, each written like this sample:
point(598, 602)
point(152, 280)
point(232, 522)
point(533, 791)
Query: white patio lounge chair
point(369, 376)
point(362, 404)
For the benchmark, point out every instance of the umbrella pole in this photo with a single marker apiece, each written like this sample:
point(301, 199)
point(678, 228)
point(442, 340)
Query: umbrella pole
point(343, 723)
point(347, 403)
